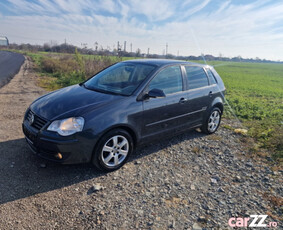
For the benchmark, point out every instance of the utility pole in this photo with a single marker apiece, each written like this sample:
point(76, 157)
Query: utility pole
point(125, 44)
point(131, 47)
point(118, 49)
point(166, 49)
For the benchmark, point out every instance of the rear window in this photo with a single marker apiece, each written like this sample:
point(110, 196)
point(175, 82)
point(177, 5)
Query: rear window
point(196, 77)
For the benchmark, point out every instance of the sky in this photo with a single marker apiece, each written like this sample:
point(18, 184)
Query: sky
point(246, 28)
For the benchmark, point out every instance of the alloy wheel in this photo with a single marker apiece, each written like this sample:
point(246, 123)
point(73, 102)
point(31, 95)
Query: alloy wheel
point(115, 151)
point(213, 121)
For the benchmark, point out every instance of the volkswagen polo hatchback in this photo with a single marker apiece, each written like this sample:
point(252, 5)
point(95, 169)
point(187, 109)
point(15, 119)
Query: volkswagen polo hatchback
point(103, 119)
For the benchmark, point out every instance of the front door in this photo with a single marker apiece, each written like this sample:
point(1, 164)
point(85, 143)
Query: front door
point(167, 113)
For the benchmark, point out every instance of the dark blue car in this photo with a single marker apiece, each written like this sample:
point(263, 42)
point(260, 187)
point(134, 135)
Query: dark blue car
point(129, 103)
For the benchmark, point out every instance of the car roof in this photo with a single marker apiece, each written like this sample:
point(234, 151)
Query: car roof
point(162, 62)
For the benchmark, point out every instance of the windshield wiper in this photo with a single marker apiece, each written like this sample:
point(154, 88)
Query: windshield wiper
point(103, 91)
point(100, 90)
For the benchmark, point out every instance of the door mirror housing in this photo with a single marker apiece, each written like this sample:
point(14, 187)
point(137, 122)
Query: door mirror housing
point(154, 93)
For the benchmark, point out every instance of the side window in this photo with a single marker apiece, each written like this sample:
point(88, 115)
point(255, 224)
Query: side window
point(169, 80)
point(196, 77)
point(211, 77)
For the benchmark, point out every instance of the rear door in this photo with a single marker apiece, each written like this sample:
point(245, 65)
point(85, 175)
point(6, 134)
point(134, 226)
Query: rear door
point(167, 113)
point(199, 93)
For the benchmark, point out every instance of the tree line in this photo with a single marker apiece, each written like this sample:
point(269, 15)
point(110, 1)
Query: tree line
point(68, 48)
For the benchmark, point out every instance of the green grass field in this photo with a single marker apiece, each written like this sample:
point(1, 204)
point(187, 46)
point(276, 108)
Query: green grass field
point(254, 90)
point(255, 94)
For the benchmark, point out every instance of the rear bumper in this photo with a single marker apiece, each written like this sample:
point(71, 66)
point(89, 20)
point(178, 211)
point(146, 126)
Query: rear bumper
point(47, 145)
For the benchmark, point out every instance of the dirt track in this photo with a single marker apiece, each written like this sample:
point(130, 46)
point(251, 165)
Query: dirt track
point(186, 182)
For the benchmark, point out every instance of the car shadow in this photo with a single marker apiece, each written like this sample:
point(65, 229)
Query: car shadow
point(23, 174)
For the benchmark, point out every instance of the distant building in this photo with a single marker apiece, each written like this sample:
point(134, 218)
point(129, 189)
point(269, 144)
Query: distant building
point(4, 41)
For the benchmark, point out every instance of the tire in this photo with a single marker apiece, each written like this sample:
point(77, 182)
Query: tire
point(212, 121)
point(113, 150)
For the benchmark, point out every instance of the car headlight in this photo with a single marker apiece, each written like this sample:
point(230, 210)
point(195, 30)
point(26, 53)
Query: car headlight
point(67, 126)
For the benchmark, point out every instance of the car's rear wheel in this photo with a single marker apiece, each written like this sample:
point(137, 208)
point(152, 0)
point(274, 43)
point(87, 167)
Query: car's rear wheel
point(212, 121)
point(113, 150)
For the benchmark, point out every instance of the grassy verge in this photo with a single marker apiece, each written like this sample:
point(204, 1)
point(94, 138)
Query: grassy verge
point(61, 70)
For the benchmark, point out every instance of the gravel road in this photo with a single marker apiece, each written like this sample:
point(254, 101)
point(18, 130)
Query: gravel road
point(191, 181)
point(10, 64)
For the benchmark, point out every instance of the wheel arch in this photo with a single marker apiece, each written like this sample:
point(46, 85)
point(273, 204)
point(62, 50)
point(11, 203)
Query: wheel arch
point(95, 157)
point(218, 102)
point(127, 128)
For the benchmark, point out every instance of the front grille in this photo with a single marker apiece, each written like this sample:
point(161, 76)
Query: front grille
point(34, 120)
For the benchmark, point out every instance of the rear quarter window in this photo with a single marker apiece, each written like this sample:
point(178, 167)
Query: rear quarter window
point(211, 77)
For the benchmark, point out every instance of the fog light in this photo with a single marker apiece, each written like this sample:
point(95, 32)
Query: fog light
point(59, 156)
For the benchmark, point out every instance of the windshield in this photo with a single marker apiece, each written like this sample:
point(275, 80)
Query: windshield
point(121, 78)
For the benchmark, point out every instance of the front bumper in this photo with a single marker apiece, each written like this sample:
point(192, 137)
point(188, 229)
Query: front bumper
point(73, 149)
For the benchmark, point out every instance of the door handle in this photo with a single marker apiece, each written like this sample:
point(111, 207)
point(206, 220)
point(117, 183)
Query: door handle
point(210, 93)
point(183, 100)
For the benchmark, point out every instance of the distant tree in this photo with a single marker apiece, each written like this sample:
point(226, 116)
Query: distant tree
point(46, 47)
point(170, 56)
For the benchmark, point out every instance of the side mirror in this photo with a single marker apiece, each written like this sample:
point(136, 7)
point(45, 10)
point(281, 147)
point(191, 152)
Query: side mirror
point(154, 93)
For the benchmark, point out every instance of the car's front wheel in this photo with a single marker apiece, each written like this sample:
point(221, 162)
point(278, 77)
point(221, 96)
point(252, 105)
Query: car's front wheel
point(212, 121)
point(113, 150)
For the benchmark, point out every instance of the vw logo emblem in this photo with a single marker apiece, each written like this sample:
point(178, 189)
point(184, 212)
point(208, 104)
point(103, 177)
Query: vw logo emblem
point(31, 120)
